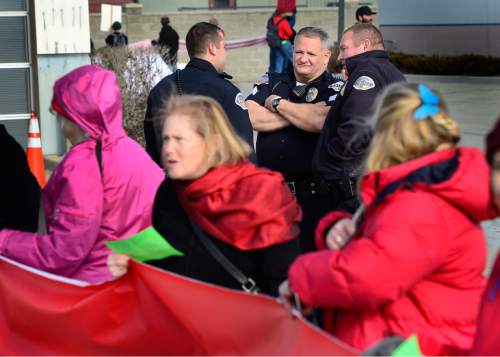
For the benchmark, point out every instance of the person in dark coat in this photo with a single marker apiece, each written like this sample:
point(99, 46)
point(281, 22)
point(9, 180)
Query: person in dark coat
point(248, 213)
point(20, 192)
point(203, 75)
point(169, 39)
point(116, 38)
point(343, 143)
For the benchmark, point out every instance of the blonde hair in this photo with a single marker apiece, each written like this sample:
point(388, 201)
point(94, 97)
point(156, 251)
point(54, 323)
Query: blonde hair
point(399, 137)
point(210, 121)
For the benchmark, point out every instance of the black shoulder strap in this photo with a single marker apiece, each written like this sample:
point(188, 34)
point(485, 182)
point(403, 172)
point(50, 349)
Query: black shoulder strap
point(247, 284)
point(98, 154)
point(178, 81)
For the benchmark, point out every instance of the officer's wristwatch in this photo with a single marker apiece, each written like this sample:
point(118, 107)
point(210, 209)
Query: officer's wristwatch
point(275, 103)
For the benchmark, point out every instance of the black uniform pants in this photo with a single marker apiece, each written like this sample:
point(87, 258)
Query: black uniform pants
point(316, 206)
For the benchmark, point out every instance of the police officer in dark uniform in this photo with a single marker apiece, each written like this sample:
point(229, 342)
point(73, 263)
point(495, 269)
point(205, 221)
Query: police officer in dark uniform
point(346, 135)
point(203, 75)
point(288, 111)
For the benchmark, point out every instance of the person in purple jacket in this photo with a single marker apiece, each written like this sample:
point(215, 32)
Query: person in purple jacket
point(102, 190)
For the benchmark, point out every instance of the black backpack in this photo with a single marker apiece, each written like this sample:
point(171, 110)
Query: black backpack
point(116, 39)
point(272, 37)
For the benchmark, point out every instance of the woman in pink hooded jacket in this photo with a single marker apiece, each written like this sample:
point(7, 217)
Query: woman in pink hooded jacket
point(102, 190)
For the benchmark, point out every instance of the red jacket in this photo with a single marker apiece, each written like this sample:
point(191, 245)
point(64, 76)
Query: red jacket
point(416, 263)
point(285, 31)
point(487, 340)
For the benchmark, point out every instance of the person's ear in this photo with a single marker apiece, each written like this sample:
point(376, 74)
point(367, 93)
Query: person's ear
point(211, 49)
point(214, 147)
point(366, 45)
point(327, 54)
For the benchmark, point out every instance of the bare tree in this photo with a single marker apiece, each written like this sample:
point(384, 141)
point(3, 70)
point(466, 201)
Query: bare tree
point(137, 72)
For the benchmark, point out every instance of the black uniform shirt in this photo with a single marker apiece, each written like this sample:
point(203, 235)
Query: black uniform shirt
point(345, 135)
point(290, 150)
point(199, 77)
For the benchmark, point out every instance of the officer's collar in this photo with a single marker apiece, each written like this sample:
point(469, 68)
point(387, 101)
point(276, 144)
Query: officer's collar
point(320, 78)
point(354, 61)
point(204, 65)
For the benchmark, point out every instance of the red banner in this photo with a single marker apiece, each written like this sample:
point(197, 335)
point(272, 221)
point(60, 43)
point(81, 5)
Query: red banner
point(147, 312)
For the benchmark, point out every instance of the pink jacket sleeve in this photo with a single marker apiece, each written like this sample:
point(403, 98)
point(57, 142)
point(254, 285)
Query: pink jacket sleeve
point(376, 269)
point(72, 229)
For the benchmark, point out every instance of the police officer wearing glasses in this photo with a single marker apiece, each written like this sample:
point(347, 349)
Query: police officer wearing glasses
point(288, 111)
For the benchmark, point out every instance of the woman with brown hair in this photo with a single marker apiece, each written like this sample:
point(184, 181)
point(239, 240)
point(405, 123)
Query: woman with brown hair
point(213, 193)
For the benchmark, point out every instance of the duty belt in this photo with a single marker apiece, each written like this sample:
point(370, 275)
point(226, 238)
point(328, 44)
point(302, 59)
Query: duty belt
point(307, 188)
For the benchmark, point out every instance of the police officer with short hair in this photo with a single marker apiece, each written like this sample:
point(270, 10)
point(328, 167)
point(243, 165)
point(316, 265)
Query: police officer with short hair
point(288, 111)
point(203, 75)
point(346, 135)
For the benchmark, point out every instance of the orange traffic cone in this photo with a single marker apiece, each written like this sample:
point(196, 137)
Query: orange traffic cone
point(34, 151)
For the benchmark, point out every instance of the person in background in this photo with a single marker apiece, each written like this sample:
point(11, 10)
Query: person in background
point(204, 75)
point(487, 341)
point(213, 21)
point(168, 41)
point(335, 66)
point(211, 190)
point(419, 235)
point(116, 38)
point(20, 191)
point(364, 14)
point(280, 49)
point(101, 191)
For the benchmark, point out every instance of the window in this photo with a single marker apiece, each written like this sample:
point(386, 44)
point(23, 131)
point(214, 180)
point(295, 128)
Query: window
point(15, 66)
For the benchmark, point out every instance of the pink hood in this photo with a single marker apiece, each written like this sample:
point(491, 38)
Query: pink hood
point(84, 204)
point(90, 97)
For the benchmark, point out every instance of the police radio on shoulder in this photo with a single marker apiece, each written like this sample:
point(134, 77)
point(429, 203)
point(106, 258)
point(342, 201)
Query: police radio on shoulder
point(275, 103)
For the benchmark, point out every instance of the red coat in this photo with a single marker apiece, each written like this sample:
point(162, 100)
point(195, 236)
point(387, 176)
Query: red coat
point(416, 264)
point(487, 340)
point(285, 31)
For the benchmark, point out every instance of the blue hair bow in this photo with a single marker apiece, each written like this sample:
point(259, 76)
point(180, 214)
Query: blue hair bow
point(430, 103)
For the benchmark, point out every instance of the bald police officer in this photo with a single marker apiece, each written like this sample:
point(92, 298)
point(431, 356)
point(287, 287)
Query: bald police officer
point(344, 139)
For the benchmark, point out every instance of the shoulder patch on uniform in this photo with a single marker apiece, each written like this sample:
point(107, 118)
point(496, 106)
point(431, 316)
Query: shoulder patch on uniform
point(337, 86)
point(240, 101)
point(364, 83)
point(262, 80)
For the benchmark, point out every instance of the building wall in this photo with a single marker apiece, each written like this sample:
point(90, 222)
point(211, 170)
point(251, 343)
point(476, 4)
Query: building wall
point(245, 64)
point(152, 6)
point(443, 27)
point(50, 68)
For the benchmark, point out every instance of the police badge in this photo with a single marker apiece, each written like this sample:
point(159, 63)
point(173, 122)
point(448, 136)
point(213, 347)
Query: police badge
point(337, 86)
point(312, 93)
point(364, 83)
point(240, 101)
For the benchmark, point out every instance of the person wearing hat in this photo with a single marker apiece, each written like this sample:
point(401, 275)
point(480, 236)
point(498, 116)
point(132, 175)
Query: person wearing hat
point(116, 38)
point(364, 14)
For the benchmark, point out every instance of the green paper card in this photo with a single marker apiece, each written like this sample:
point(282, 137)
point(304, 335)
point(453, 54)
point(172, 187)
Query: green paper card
point(145, 245)
point(408, 348)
